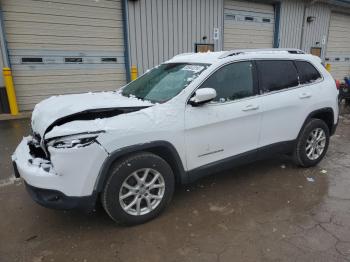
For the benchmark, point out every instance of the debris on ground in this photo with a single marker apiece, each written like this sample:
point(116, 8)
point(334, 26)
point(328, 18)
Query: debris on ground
point(310, 179)
point(283, 166)
point(216, 208)
point(323, 171)
point(31, 238)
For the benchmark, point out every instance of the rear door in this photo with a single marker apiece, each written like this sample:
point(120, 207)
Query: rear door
point(284, 101)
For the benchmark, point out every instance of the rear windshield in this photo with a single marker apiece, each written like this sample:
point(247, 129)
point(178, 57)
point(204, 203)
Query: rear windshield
point(164, 82)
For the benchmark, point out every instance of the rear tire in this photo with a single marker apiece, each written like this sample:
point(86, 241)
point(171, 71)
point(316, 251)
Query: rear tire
point(312, 143)
point(138, 189)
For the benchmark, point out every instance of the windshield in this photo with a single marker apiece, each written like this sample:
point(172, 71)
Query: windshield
point(164, 82)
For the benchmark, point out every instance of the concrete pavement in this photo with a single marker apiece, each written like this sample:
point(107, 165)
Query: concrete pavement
point(267, 211)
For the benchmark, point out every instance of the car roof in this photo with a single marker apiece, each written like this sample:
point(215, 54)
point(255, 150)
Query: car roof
point(240, 54)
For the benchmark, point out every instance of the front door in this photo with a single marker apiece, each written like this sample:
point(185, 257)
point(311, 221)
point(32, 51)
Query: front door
point(230, 124)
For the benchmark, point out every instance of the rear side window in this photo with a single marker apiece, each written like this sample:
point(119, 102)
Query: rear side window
point(276, 75)
point(307, 72)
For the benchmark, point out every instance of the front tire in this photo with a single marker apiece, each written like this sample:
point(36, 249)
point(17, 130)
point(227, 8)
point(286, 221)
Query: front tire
point(138, 189)
point(312, 143)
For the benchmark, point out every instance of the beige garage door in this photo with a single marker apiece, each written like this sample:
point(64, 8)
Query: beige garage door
point(248, 25)
point(63, 46)
point(338, 48)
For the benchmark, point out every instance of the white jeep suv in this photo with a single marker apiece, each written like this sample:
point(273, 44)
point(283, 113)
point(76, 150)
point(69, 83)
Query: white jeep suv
point(190, 116)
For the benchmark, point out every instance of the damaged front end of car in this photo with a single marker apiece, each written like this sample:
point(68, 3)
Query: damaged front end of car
point(61, 172)
point(60, 165)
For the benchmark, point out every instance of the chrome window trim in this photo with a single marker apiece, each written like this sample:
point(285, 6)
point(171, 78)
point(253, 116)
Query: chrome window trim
point(258, 95)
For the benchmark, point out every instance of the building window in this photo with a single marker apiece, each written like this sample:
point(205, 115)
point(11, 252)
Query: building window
point(316, 51)
point(203, 48)
point(73, 59)
point(109, 60)
point(230, 17)
point(32, 59)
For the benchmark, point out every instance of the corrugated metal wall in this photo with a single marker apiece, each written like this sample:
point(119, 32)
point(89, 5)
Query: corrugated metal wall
point(291, 23)
point(291, 20)
point(53, 30)
point(160, 29)
point(315, 33)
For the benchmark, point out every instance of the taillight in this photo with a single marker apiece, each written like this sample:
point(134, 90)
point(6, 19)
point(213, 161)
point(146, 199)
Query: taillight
point(337, 83)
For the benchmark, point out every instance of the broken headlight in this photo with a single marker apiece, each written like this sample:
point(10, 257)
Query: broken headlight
point(79, 140)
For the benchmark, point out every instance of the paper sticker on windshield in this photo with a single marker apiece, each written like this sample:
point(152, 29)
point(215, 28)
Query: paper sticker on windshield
point(193, 68)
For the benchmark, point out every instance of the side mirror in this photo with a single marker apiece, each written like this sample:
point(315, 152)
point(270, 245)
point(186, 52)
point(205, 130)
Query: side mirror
point(202, 96)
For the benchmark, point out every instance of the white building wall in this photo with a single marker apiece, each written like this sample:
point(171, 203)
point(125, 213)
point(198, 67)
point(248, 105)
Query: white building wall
point(57, 32)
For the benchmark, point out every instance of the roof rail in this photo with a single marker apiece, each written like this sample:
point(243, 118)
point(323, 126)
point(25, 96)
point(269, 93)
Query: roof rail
point(183, 54)
point(266, 51)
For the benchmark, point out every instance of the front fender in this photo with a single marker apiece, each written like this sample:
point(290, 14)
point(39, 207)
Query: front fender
point(163, 149)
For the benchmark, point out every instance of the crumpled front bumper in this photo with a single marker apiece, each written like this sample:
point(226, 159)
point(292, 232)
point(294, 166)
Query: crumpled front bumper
point(57, 200)
point(71, 173)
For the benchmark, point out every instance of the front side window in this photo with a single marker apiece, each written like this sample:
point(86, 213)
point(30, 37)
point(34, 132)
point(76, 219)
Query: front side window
point(233, 81)
point(163, 82)
point(307, 72)
point(276, 75)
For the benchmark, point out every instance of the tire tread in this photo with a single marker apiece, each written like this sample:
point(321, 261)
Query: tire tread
point(115, 168)
point(298, 151)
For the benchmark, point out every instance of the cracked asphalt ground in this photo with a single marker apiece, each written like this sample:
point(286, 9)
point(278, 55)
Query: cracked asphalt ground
point(266, 211)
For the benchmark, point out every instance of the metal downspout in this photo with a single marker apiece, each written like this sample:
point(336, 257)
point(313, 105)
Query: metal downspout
point(276, 36)
point(303, 28)
point(126, 39)
point(3, 43)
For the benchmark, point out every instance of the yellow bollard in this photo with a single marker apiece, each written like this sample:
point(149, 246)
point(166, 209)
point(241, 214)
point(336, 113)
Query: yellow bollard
point(133, 73)
point(10, 90)
point(328, 67)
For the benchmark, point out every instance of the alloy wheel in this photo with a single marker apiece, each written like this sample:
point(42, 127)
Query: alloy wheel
point(142, 191)
point(315, 144)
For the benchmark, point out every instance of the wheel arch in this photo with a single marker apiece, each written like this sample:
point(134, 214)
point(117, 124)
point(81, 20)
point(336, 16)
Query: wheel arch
point(326, 114)
point(163, 149)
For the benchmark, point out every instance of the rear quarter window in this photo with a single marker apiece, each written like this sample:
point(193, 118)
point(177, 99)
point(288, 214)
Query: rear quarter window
point(276, 75)
point(307, 72)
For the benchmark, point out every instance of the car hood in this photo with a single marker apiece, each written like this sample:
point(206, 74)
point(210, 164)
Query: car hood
point(58, 110)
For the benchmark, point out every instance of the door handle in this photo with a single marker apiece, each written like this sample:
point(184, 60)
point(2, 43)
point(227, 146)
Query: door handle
point(250, 107)
point(304, 95)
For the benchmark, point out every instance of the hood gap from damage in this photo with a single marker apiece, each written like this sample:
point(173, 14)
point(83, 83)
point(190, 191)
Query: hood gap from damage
point(93, 114)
